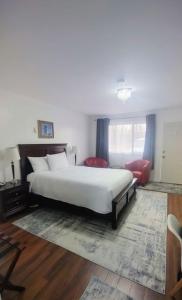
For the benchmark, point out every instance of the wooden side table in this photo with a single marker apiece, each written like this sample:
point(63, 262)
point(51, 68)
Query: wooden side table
point(13, 198)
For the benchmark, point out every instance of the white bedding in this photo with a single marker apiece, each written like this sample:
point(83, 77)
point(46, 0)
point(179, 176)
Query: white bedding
point(93, 188)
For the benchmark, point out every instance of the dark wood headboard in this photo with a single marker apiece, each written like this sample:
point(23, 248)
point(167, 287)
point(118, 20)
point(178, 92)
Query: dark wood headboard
point(36, 150)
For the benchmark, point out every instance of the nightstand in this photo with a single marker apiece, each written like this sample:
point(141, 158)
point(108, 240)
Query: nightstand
point(13, 198)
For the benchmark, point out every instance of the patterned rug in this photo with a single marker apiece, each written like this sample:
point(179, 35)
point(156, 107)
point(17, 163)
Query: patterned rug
point(136, 250)
point(163, 187)
point(98, 290)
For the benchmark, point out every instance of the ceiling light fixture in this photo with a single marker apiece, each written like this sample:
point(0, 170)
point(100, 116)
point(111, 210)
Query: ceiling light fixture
point(123, 92)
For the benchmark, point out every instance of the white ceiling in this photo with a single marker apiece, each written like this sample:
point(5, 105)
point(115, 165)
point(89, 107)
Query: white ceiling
point(73, 52)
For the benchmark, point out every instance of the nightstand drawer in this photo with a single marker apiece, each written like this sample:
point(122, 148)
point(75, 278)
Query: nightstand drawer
point(21, 197)
point(13, 198)
point(15, 193)
point(19, 201)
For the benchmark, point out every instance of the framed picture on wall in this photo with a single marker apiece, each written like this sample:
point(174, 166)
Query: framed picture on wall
point(45, 129)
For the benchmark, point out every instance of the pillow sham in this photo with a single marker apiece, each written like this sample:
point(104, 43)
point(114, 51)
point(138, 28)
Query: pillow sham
point(57, 161)
point(39, 163)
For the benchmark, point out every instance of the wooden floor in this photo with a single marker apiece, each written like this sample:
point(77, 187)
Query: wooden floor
point(50, 272)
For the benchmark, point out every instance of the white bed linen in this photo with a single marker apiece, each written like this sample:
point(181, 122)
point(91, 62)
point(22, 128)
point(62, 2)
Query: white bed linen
point(93, 188)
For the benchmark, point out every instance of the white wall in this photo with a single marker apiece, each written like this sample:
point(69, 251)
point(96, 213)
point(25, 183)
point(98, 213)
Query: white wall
point(162, 117)
point(18, 124)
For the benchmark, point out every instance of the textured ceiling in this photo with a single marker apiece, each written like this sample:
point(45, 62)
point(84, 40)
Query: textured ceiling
point(72, 53)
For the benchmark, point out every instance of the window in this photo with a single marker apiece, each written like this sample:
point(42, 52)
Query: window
point(127, 137)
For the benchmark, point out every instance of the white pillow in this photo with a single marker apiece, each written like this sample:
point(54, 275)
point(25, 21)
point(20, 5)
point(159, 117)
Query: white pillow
point(57, 161)
point(39, 163)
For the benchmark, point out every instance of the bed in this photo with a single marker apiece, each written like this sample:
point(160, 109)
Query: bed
point(103, 191)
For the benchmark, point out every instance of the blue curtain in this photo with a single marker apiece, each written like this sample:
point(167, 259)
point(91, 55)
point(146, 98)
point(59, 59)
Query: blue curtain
point(149, 148)
point(102, 141)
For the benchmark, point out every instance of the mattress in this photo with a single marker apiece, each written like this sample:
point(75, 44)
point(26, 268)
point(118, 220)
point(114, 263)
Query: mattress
point(92, 188)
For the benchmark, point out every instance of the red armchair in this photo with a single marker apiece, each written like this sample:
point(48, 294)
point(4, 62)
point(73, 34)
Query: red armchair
point(140, 169)
point(96, 162)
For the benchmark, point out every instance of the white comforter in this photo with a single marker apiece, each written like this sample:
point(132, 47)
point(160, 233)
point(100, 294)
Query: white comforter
point(93, 188)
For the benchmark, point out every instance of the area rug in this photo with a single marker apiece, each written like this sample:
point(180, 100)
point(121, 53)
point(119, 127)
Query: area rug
point(163, 187)
point(98, 290)
point(136, 250)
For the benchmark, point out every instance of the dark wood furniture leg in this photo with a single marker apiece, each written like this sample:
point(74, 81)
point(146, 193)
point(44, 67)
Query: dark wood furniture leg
point(7, 245)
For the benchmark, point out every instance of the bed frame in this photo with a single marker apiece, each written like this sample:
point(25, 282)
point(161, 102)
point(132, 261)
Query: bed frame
point(38, 150)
